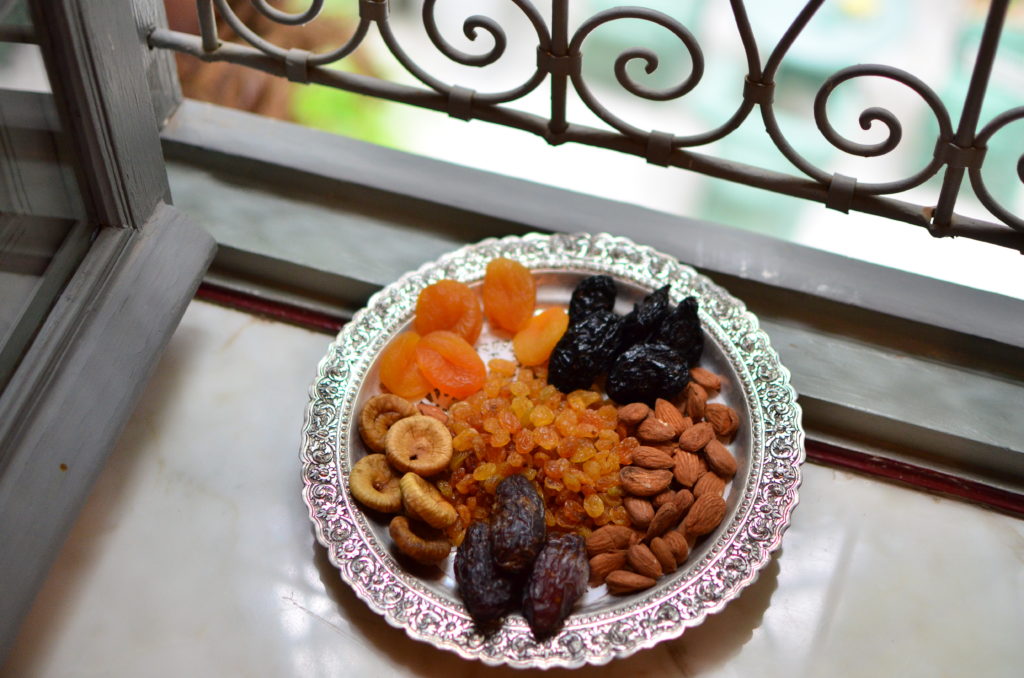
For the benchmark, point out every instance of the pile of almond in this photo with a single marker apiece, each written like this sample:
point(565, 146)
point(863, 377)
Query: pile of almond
point(674, 487)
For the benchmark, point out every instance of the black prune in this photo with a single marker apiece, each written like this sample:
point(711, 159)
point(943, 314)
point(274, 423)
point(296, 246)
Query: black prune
point(558, 580)
point(487, 592)
point(646, 372)
point(585, 351)
point(682, 331)
point(596, 293)
point(517, 524)
point(643, 321)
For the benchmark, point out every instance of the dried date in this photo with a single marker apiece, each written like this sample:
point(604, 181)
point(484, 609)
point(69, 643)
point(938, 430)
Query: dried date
point(558, 580)
point(517, 524)
point(487, 592)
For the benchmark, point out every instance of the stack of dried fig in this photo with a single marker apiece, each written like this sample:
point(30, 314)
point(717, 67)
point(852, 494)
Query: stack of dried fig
point(415, 447)
point(674, 487)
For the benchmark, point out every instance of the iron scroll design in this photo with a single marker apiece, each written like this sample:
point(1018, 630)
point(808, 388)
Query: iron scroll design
point(560, 52)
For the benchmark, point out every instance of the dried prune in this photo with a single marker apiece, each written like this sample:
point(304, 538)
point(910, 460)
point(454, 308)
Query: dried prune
point(585, 351)
point(487, 592)
point(596, 293)
point(645, 319)
point(558, 580)
point(517, 524)
point(646, 372)
point(682, 332)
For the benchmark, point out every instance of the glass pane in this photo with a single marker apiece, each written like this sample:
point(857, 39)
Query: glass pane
point(43, 231)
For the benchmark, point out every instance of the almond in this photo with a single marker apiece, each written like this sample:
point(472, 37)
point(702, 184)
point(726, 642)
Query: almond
point(433, 411)
point(633, 414)
point(677, 542)
point(665, 518)
point(643, 482)
point(621, 582)
point(704, 516)
point(720, 459)
point(654, 430)
point(608, 538)
point(640, 511)
point(684, 498)
point(663, 552)
point(670, 414)
point(696, 437)
point(723, 419)
point(643, 561)
point(687, 423)
point(709, 483)
point(689, 467)
point(709, 380)
point(663, 498)
point(652, 457)
point(694, 400)
point(604, 564)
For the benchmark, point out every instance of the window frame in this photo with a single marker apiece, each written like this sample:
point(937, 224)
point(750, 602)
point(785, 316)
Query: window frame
point(77, 382)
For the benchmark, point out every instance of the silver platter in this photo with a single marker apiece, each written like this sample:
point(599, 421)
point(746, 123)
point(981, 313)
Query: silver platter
point(424, 602)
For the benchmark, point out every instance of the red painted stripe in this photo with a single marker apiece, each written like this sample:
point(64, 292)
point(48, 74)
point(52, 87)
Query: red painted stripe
point(818, 452)
point(294, 315)
point(917, 477)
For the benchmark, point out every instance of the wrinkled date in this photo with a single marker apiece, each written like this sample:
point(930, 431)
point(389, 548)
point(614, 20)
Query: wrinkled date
point(487, 592)
point(517, 524)
point(558, 580)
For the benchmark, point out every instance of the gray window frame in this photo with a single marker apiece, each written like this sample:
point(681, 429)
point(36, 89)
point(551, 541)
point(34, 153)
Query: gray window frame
point(77, 383)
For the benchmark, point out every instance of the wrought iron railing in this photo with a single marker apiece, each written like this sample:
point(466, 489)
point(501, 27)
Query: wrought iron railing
point(958, 149)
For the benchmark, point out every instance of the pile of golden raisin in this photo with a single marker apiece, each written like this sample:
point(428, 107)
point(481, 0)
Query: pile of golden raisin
point(571, 446)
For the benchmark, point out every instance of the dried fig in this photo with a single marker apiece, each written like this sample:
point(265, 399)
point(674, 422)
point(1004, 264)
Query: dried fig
point(422, 500)
point(375, 485)
point(420, 444)
point(421, 543)
point(378, 415)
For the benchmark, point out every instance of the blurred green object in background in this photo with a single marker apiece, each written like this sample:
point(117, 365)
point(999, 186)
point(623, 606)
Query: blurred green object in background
point(340, 112)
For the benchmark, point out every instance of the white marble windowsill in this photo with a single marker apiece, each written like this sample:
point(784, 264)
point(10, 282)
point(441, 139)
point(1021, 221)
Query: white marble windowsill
point(195, 556)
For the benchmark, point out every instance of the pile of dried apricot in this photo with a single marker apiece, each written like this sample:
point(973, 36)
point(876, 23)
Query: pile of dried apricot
point(438, 356)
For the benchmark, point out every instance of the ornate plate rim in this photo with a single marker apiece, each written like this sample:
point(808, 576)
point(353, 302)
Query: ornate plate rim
point(745, 541)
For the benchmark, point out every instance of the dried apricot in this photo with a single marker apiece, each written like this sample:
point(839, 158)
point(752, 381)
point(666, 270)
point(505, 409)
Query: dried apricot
point(398, 371)
point(509, 293)
point(533, 344)
point(449, 305)
point(450, 364)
